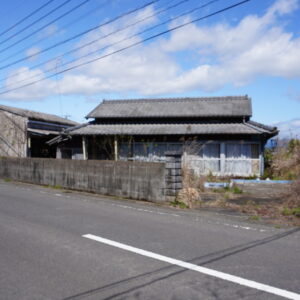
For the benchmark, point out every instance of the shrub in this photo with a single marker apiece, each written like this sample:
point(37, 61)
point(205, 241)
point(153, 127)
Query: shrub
point(236, 190)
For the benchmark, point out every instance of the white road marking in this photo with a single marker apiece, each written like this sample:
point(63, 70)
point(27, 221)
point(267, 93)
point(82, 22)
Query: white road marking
point(197, 218)
point(235, 279)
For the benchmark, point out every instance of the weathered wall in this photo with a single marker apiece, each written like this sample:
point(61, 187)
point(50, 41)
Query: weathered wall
point(135, 180)
point(12, 135)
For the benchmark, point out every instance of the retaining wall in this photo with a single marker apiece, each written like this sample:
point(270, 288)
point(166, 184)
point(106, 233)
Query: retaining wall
point(136, 180)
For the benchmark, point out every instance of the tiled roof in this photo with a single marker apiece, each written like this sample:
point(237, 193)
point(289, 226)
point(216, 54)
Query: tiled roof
point(262, 126)
point(167, 129)
point(33, 115)
point(231, 106)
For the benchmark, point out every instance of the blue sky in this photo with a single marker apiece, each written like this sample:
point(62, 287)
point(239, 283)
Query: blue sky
point(253, 49)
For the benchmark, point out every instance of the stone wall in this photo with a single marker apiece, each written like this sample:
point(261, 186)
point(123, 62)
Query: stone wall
point(12, 135)
point(136, 180)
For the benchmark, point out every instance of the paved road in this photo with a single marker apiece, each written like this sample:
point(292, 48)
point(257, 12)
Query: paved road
point(43, 254)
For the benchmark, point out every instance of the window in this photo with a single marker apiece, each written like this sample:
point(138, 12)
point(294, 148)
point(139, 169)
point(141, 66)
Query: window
point(204, 158)
point(255, 151)
point(211, 151)
point(233, 150)
point(140, 149)
point(174, 146)
point(124, 150)
point(242, 151)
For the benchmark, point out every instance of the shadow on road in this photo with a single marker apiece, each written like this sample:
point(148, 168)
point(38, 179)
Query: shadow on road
point(173, 270)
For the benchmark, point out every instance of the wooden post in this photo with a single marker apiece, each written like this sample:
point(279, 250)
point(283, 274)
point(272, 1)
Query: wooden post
point(28, 146)
point(115, 148)
point(84, 148)
point(222, 158)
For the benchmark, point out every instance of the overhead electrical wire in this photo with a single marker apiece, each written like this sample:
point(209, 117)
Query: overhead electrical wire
point(30, 25)
point(25, 18)
point(80, 34)
point(129, 46)
point(115, 43)
point(112, 33)
point(79, 18)
point(47, 24)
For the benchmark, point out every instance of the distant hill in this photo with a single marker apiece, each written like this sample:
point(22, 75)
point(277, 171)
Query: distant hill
point(289, 129)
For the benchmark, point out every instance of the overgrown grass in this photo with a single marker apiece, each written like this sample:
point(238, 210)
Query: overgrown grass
point(236, 190)
point(254, 218)
point(56, 187)
point(180, 204)
point(291, 211)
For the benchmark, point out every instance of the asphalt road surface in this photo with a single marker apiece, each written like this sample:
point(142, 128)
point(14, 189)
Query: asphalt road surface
point(64, 245)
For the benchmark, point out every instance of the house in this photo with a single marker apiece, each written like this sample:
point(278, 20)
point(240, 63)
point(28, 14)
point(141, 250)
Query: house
point(215, 134)
point(23, 133)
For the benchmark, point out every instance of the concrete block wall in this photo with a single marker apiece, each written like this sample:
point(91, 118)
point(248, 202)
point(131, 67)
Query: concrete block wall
point(136, 180)
point(173, 174)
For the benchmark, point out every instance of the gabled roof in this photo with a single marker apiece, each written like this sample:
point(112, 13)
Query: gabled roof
point(231, 106)
point(170, 129)
point(33, 115)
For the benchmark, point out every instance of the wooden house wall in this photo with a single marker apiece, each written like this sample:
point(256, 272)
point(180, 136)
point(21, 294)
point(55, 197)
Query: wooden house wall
point(219, 155)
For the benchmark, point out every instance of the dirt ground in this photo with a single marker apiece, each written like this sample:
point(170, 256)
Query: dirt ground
point(268, 209)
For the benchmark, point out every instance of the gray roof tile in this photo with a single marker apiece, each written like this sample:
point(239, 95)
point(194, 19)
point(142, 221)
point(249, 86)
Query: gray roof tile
point(231, 106)
point(166, 129)
point(33, 115)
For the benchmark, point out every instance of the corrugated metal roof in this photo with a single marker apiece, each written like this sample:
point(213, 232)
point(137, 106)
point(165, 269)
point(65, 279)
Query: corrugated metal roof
point(33, 115)
point(42, 132)
point(231, 106)
point(166, 129)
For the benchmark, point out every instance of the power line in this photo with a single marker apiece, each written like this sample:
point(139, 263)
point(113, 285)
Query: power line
point(80, 34)
point(25, 18)
point(118, 42)
point(128, 47)
point(80, 18)
point(112, 33)
point(30, 25)
point(46, 25)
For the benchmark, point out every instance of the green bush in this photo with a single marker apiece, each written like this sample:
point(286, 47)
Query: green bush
point(179, 204)
point(293, 211)
point(236, 190)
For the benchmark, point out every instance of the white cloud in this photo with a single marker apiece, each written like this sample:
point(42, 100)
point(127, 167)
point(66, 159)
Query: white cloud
point(50, 30)
point(222, 54)
point(289, 129)
point(23, 76)
point(32, 53)
point(282, 7)
point(105, 35)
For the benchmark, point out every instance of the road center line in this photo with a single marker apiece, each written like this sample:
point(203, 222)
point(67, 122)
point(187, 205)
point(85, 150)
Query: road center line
point(203, 270)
